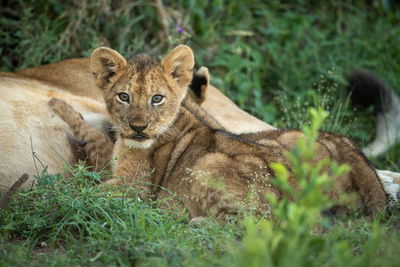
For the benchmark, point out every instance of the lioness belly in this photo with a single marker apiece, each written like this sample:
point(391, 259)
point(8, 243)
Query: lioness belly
point(32, 136)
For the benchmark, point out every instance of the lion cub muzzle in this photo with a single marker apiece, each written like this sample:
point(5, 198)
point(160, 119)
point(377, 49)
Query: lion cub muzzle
point(139, 135)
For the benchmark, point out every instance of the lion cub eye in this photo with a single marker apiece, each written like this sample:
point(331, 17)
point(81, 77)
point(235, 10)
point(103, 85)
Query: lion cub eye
point(124, 97)
point(157, 99)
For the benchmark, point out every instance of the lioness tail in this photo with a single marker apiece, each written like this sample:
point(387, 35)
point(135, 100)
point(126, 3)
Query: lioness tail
point(367, 90)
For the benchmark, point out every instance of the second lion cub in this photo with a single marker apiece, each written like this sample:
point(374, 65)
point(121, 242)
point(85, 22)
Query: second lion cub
point(163, 142)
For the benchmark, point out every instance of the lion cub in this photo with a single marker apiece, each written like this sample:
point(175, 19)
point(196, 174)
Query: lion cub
point(164, 142)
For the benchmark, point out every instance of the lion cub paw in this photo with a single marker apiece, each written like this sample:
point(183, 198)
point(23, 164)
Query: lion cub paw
point(64, 110)
point(197, 220)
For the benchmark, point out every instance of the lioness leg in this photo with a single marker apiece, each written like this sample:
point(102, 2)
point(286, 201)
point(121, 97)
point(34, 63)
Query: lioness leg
point(98, 147)
point(391, 183)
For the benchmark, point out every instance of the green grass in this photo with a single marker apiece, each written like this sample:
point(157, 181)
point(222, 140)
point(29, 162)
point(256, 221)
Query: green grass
point(273, 58)
point(74, 221)
point(80, 221)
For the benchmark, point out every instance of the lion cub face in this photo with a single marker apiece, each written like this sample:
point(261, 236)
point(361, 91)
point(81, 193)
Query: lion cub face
point(143, 94)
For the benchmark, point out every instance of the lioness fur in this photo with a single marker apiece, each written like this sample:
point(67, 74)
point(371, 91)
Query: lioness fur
point(32, 137)
point(163, 142)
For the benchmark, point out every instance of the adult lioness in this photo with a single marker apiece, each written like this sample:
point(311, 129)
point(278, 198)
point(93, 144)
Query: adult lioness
point(157, 133)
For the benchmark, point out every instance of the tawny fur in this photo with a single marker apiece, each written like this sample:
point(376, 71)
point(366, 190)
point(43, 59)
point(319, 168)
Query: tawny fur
point(72, 75)
point(32, 136)
point(213, 171)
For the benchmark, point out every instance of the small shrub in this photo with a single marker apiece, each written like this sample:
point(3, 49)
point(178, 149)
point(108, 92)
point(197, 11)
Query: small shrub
point(295, 234)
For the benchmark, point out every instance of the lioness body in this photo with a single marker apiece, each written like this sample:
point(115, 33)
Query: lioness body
point(165, 144)
point(71, 75)
point(31, 135)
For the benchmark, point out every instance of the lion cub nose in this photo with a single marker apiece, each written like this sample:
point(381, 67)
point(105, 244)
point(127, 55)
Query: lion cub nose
point(137, 128)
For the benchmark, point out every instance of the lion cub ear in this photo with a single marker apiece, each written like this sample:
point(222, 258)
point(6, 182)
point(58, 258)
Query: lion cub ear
point(178, 63)
point(199, 85)
point(107, 65)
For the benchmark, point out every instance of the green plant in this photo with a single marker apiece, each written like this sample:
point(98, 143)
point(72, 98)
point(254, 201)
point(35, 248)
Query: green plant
point(295, 234)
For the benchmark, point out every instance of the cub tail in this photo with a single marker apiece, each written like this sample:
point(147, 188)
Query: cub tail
point(367, 90)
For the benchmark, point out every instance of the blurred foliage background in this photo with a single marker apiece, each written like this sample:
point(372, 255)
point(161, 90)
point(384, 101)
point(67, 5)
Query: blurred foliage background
point(273, 58)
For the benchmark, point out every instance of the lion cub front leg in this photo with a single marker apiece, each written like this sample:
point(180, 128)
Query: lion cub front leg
point(133, 167)
point(98, 147)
